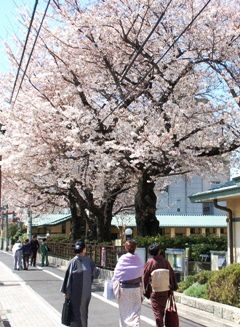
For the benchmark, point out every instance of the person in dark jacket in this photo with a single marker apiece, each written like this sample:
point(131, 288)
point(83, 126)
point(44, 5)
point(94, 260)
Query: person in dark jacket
point(77, 285)
point(159, 273)
point(34, 248)
point(26, 250)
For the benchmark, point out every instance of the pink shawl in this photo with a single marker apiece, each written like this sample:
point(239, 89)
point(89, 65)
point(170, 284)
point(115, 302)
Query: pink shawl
point(129, 266)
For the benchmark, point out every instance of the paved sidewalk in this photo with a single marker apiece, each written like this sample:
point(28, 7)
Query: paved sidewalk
point(21, 306)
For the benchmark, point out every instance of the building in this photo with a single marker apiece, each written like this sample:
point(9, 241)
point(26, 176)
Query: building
point(175, 199)
point(230, 193)
point(170, 225)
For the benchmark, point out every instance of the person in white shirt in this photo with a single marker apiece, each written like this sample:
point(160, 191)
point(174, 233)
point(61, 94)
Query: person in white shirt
point(17, 255)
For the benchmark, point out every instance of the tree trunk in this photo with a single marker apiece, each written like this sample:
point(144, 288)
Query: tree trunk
point(104, 222)
point(78, 223)
point(145, 207)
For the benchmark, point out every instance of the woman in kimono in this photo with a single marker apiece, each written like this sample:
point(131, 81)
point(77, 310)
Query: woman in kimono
point(159, 273)
point(77, 285)
point(128, 272)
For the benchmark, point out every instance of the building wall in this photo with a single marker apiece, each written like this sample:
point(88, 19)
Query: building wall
point(234, 205)
point(175, 199)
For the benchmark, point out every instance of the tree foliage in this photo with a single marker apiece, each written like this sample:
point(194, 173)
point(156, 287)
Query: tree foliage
point(106, 101)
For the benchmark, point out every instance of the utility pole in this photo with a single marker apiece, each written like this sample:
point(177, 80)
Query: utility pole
point(1, 228)
point(6, 228)
point(29, 225)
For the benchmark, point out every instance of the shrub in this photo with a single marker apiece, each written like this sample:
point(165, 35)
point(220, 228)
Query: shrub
point(185, 284)
point(197, 290)
point(224, 285)
point(59, 238)
point(201, 278)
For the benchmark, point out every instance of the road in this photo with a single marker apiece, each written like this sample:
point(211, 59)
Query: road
point(47, 282)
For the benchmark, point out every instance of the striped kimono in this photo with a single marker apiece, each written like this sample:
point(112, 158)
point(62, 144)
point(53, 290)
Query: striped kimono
point(77, 285)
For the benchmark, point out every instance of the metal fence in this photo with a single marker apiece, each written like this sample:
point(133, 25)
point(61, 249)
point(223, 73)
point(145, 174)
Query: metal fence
point(103, 256)
point(106, 256)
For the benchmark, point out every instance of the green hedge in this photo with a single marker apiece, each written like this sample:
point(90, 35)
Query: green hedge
point(198, 244)
point(224, 285)
point(221, 286)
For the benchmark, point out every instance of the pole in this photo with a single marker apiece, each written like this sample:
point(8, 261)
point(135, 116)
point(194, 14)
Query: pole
point(6, 236)
point(1, 228)
point(29, 225)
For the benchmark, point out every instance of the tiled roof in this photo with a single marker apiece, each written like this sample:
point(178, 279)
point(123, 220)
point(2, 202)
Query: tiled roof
point(50, 219)
point(219, 192)
point(175, 221)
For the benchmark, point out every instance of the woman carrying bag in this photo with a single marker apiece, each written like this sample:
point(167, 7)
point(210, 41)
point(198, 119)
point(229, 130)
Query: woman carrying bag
point(159, 274)
point(77, 286)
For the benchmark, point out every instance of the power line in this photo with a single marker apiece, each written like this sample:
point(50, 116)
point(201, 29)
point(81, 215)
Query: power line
point(175, 41)
point(30, 55)
point(157, 62)
point(143, 44)
point(24, 48)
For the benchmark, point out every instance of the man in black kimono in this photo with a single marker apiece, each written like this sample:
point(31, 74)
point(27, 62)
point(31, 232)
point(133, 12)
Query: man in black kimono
point(77, 285)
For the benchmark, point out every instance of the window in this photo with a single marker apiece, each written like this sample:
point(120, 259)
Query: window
point(207, 208)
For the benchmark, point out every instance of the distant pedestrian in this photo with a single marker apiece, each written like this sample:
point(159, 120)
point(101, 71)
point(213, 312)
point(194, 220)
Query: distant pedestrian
point(159, 273)
point(77, 285)
point(129, 272)
point(26, 250)
point(34, 248)
point(17, 255)
point(44, 252)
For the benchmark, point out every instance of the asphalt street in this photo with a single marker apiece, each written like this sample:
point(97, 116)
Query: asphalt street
point(47, 282)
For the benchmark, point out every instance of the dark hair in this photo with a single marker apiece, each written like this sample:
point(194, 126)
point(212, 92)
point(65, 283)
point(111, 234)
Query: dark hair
point(27, 240)
point(79, 246)
point(154, 249)
point(130, 246)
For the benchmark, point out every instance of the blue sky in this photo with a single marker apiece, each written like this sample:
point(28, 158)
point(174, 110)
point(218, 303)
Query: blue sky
point(9, 24)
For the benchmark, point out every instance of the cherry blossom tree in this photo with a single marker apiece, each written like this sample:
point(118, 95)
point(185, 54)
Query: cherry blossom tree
point(124, 90)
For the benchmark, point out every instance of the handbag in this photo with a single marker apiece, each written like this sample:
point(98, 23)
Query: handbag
point(171, 315)
point(148, 291)
point(66, 313)
point(108, 290)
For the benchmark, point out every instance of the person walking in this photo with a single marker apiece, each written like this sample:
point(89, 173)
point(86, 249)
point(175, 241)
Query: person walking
point(34, 248)
point(44, 252)
point(26, 250)
point(77, 284)
point(128, 272)
point(17, 255)
point(159, 273)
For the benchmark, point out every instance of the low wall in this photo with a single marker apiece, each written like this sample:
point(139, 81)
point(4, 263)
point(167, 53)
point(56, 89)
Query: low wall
point(219, 310)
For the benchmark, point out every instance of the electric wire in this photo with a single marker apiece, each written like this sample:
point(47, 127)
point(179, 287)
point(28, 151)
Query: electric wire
point(144, 43)
point(33, 47)
point(157, 62)
point(24, 49)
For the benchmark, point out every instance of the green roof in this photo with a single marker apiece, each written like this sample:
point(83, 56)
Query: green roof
point(50, 219)
point(175, 221)
point(220, 192)
point(129, 220)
